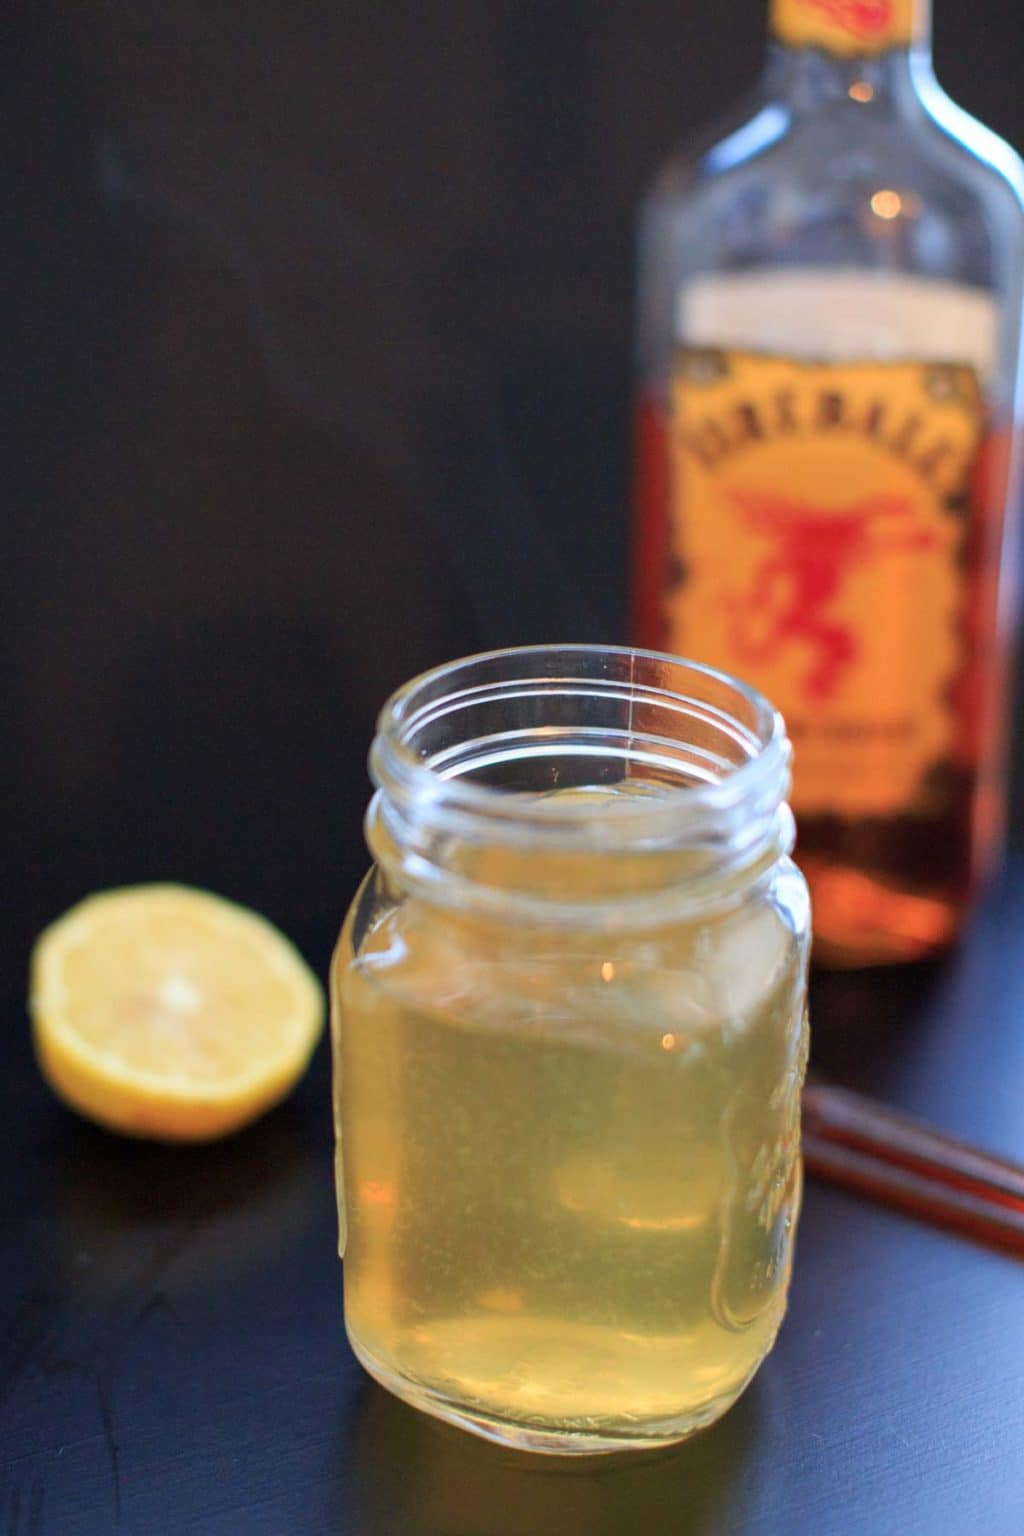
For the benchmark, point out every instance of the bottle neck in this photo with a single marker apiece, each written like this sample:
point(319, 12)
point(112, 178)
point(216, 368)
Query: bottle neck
point(851, 29)
point(864, 49)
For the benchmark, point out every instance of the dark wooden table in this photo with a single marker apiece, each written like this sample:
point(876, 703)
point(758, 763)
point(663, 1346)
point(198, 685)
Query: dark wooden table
point(172, 1358)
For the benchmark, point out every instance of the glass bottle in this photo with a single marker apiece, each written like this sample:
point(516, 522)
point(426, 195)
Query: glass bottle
point(829, 383)
point(569, 1030)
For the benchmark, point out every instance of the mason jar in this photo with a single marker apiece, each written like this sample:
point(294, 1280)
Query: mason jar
point(569, 1029)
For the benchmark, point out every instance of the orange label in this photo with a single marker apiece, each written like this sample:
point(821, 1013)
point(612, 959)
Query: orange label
point(849, 27)
point(817, 527)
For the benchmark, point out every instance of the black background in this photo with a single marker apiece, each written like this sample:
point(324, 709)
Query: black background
point(317, 338)
point(316, 332)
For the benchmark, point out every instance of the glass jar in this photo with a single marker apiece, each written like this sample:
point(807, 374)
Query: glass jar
point(569, 1025)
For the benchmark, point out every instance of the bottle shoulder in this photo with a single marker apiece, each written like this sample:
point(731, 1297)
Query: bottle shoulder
point(990, 167)
point(776, 184)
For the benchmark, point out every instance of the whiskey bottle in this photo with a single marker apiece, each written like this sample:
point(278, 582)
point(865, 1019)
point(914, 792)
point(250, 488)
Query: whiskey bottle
point(829, 382)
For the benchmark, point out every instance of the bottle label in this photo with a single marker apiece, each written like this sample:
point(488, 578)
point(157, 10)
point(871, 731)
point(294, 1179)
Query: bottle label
point(849, 28)
point(817, 532)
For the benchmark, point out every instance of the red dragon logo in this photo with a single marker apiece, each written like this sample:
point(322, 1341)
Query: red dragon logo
point(864, 18)
point(812, 551)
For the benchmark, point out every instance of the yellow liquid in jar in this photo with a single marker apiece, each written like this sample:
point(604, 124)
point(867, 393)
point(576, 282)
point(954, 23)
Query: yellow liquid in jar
point(570, 1167)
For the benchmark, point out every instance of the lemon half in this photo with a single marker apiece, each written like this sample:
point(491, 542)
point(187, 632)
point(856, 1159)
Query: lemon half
point(167, 1012)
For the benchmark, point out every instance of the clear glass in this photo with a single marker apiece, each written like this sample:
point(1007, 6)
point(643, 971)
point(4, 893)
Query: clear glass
point(862, 166)
point(569, 1030)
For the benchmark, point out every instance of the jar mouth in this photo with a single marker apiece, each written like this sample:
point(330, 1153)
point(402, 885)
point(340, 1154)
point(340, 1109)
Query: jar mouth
point(485, 747)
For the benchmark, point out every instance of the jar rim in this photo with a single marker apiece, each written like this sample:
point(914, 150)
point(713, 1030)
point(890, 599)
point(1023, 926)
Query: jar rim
point(408, 775)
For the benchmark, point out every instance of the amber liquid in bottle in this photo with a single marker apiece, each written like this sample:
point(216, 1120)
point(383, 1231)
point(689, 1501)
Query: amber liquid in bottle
point(829, 347)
